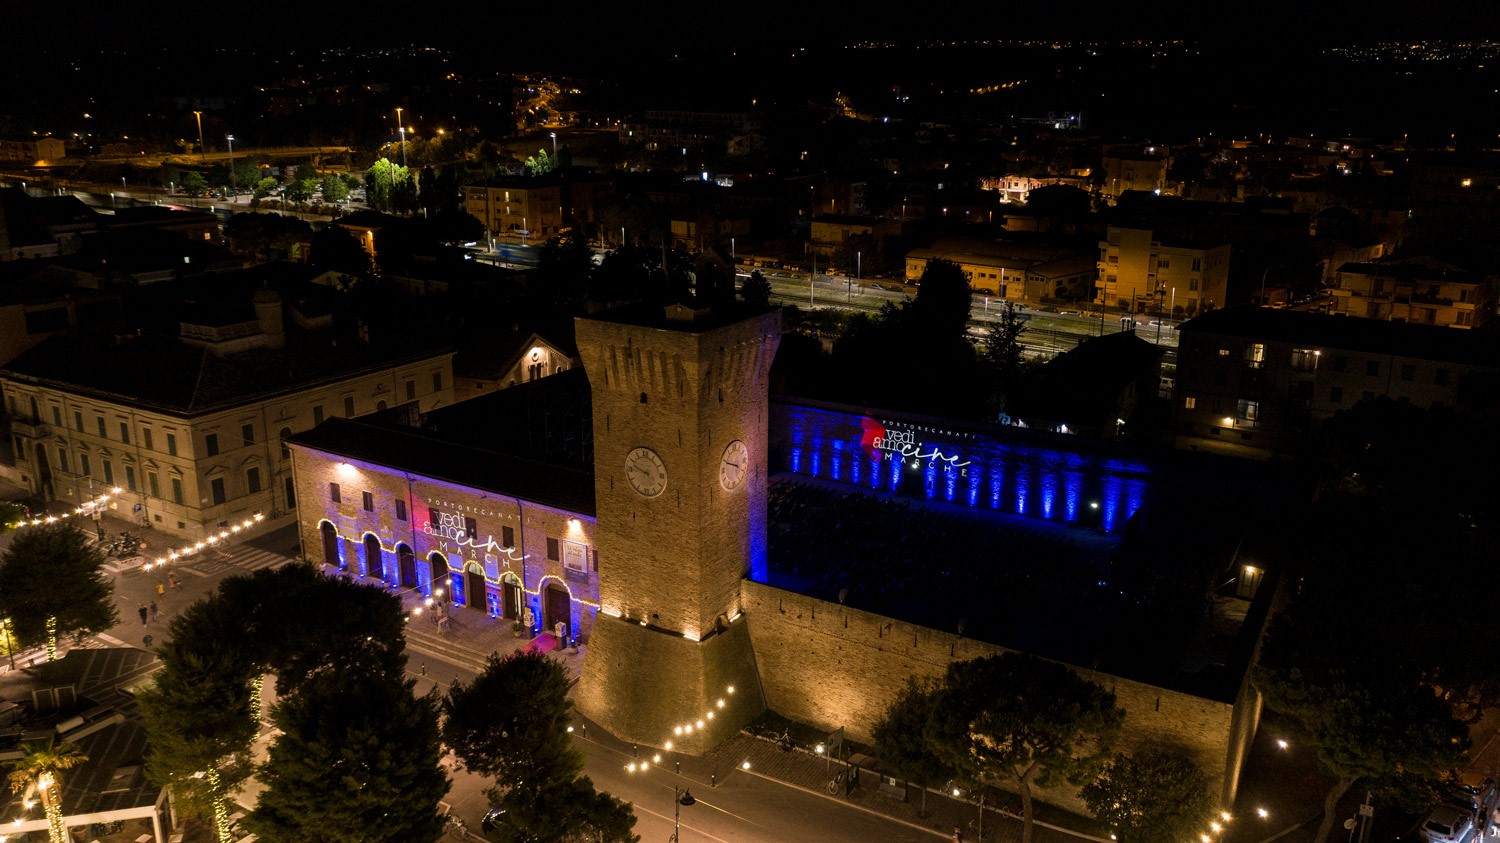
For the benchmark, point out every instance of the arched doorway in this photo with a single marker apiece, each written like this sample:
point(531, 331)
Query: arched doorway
point(437, 565)
point(331, 546)
point(374, 564)
point(474, 586)
point(557, 607)
point(406, 563)
point(511, 595)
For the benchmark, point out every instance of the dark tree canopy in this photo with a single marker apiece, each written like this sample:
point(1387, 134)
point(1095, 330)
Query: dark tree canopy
point(357, 762)
point(1151, 794)
point(1034, 721)
point(335, 249)
point(900, 737)
point(511, 722)
point(52, 572)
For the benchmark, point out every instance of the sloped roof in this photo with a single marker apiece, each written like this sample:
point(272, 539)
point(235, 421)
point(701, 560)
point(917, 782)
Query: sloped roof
point(163, 374)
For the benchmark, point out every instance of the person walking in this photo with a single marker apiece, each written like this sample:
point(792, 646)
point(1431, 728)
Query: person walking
point(144, 613)
point(153, 611)
point(172, 579)
point(161, 590)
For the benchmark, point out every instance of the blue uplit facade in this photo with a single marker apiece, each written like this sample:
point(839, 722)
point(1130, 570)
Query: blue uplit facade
point(988, 470)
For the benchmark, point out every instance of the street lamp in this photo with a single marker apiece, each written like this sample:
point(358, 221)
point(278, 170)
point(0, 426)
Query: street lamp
point(202, 150)
point(681, 798)
point(554, 147)
point(232, 186)
point(402, 130)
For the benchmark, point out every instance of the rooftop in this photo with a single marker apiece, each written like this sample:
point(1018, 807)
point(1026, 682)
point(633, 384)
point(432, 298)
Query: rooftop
point(1348, 333)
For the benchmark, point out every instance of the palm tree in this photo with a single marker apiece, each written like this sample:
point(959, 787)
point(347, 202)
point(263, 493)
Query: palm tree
point(37, 771)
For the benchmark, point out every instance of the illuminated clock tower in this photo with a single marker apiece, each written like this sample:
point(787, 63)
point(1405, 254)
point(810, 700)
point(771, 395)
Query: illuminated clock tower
point(679, 406)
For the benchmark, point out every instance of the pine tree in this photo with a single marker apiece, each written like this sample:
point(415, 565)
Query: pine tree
point(357, 762)
point(54, 585)
point(511, 723)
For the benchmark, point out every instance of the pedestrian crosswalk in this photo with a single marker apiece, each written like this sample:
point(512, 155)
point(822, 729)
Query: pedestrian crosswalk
point(234, 560)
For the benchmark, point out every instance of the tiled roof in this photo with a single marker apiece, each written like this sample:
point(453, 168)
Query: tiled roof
point(163, 374)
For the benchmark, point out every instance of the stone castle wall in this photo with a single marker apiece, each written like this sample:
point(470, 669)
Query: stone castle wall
point(832, 666)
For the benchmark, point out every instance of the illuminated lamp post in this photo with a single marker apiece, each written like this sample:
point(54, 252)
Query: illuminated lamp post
point(681, 798)
point(202, 150)
point(232, 186)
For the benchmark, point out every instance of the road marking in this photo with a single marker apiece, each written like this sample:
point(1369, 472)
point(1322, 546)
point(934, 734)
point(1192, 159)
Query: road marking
point(637, 807)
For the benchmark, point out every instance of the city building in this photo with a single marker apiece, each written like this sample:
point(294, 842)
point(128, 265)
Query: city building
point(1141, 272)
point(1099, 388)
point(31, 151)
point(527, 207)
point(1032, 273)
point(39, 299)
point(490, 500)
point(1423, 290)
point(1134, 168)
point(1257, 381)
point(191, 427)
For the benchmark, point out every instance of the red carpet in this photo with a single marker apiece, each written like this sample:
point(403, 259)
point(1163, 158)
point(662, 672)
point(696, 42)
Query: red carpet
point(542, 644)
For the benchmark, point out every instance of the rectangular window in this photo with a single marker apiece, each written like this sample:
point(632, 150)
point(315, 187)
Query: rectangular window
point(18, 449)
point(1223, 352)
point(176, 490)
point(211, 444)
point(99, 422)
point(146, 439)
point(552, 548)
point(1255, 355)
point(78, 421)
point(317, 414)
point(1197, 264)
point(252, 480)
point(507, 537)
point(437, 381)
point(1248, 412)
point(57, 416)
point(1408, 371)
point(216, 490)
point(247, 433)
point(400, 510)
point(83, 466)
point(471, 527)
point(172, 444)
point(1336, 395)
point(109, 472)
point(125, 432)
point(1440, 377)
point(1190, 403)
point(130, 477)
point(1372, 367)
point(348, 406)
point(333, 493)
point(1164, 263)
point(1192, 284)
point(1305, 359)
point(1340, 363)
point(153, 484)
point(411, 389)
point(62, 459)
point(367, 500)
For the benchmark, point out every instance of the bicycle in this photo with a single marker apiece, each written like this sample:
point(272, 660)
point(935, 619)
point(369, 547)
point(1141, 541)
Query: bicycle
point(836, 782)
point(455, 825)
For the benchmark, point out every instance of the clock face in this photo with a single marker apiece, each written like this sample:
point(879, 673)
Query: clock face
point(733, 465)
point(646, 472)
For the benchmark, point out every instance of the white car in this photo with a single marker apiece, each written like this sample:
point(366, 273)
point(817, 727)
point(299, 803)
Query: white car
point(1447, 824)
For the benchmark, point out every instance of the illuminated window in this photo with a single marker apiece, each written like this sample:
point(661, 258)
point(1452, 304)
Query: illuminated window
point(1305, 359)
point(1466, 183)
point(1248, 413)
point(1255, 355)
point(1190, 402)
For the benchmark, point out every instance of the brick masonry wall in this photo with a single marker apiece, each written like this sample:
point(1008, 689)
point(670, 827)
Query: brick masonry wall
point(646, 685)
point(532, 524)
point(831, 666)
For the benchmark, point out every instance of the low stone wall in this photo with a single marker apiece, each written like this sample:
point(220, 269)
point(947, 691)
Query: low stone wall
point(831, 666)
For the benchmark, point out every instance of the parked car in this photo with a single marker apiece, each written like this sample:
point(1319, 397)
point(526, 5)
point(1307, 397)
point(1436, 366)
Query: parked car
point(1448, 824)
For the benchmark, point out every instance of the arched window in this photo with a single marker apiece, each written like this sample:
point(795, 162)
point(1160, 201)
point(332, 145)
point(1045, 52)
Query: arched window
point(374, 561)
point(331, 546)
